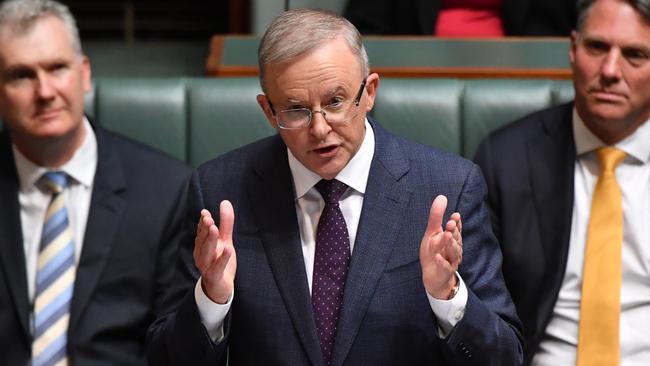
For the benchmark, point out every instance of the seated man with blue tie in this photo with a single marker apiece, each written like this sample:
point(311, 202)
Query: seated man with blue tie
point(88, 219)
point(320, 245)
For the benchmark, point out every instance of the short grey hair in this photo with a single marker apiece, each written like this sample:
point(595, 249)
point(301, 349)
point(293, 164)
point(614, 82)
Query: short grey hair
point(298, 31)
point(641, 6)
point(21, 15)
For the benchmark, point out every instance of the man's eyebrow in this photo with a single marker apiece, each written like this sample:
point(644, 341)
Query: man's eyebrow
point(11, 69)
point(636, 46)
point(292, 100)
point(335, 90)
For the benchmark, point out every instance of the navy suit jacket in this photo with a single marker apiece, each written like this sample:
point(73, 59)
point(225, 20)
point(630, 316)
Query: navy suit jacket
point(385, 317)
point(529, 169)
point(418, 17)
point(126, 263)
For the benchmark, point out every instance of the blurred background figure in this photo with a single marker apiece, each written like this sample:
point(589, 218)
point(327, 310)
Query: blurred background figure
point(463, 18)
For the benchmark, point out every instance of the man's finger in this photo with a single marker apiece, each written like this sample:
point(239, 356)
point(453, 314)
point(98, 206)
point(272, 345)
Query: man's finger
point(452, 227)
point(438, 207)
point(203, 230)
point(205, 247)
point(226, 220)
point(221, 262)
point(456, 217)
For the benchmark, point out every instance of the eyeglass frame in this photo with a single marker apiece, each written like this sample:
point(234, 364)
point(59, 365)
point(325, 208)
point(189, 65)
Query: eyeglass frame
point(355, 101)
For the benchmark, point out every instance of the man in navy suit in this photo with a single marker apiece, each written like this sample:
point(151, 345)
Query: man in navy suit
point(250, 273)
point(120, 202)
point(541, 174)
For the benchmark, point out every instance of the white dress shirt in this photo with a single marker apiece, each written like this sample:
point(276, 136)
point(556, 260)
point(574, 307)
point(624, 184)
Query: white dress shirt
point(34, 201)
point(309, 205)
point(559, 344)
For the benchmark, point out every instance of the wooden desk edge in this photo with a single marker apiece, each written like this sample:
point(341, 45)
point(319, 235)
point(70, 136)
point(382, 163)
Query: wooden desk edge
point(425, 72)
point(214, 67)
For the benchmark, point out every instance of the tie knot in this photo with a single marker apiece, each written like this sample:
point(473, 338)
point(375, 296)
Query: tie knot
point(331, 190)
point(55, 182)
point(609, 158)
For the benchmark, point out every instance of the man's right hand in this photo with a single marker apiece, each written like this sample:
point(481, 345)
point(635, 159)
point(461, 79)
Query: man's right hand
point(214, 253)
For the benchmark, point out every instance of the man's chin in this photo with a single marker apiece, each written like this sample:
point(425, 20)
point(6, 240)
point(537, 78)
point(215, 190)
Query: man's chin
point(54, 129)
point(608, 112)
point(328, 171)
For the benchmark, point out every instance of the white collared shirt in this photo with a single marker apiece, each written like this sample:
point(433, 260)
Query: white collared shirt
point(33, 201)
point(558, 346)
point(309, 205)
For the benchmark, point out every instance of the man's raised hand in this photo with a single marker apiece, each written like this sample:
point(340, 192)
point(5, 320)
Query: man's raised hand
point(441, 251)
point(214, 253)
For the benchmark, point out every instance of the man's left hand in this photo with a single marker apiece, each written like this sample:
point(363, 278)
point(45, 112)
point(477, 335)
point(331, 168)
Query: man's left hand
point(441, 251)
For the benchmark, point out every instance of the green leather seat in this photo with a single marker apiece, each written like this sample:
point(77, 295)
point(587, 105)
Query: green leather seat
point(153, 111)
point(224, 115)
point(424, 110)
point(196, 119)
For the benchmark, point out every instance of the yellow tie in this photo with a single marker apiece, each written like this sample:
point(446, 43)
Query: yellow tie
point(600, 307)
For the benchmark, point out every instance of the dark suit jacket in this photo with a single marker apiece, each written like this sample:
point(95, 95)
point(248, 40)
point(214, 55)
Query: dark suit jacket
point(418, 17)
point(529, 169)
point(385, 317)
point(126, 263)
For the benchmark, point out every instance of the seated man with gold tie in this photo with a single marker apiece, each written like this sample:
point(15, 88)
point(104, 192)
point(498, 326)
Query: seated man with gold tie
point(569, 192)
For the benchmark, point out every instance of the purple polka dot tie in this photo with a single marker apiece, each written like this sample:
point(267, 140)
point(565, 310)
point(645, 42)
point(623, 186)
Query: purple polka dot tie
point(330, 264)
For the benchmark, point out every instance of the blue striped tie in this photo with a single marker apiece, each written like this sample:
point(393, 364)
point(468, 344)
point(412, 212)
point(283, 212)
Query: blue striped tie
point(54, 279)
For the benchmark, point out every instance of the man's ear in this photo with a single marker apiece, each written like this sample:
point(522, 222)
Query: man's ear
point(372, 83)
point(263, 101)
point(86, 74)
point(573, 47)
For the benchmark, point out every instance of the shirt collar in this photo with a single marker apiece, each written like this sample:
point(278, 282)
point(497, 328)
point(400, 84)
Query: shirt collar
point(636, 145)
point(81, 167)
point(354, 174)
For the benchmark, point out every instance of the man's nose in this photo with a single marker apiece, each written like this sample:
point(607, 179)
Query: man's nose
point(319, 125)
point(44, 87)
point(611, 66)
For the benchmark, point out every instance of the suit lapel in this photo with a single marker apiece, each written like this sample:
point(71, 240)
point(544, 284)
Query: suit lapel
point(551, 157)
point(12, 254)
point(384, 202)
point(273, 197)
point(105, 209)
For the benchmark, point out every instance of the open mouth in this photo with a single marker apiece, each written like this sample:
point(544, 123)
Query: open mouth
point(326, 150)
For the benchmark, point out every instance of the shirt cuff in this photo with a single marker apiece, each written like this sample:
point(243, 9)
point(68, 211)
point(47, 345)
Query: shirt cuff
point(212, 314)
point(449, 312)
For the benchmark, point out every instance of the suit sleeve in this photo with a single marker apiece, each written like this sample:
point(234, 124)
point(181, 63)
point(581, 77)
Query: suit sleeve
point(490, 331)
point(178, 337)
point(485, 160)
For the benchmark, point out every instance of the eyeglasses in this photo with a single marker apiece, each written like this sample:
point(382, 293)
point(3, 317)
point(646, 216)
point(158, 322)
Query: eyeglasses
point(336, 112)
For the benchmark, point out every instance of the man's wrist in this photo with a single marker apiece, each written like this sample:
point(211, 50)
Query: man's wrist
point(454, 289)
point(221, 300)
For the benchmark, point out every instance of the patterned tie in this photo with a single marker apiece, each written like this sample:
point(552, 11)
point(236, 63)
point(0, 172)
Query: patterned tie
point(600, 307)
point(54, 278)
point(330, 264)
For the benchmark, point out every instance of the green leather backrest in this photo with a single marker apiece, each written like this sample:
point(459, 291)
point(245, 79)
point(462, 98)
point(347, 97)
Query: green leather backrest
point(425, 110)
point(196, 119)
point(490, 104)
point(224, 115)
point(153, 111)
point(456, 115)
